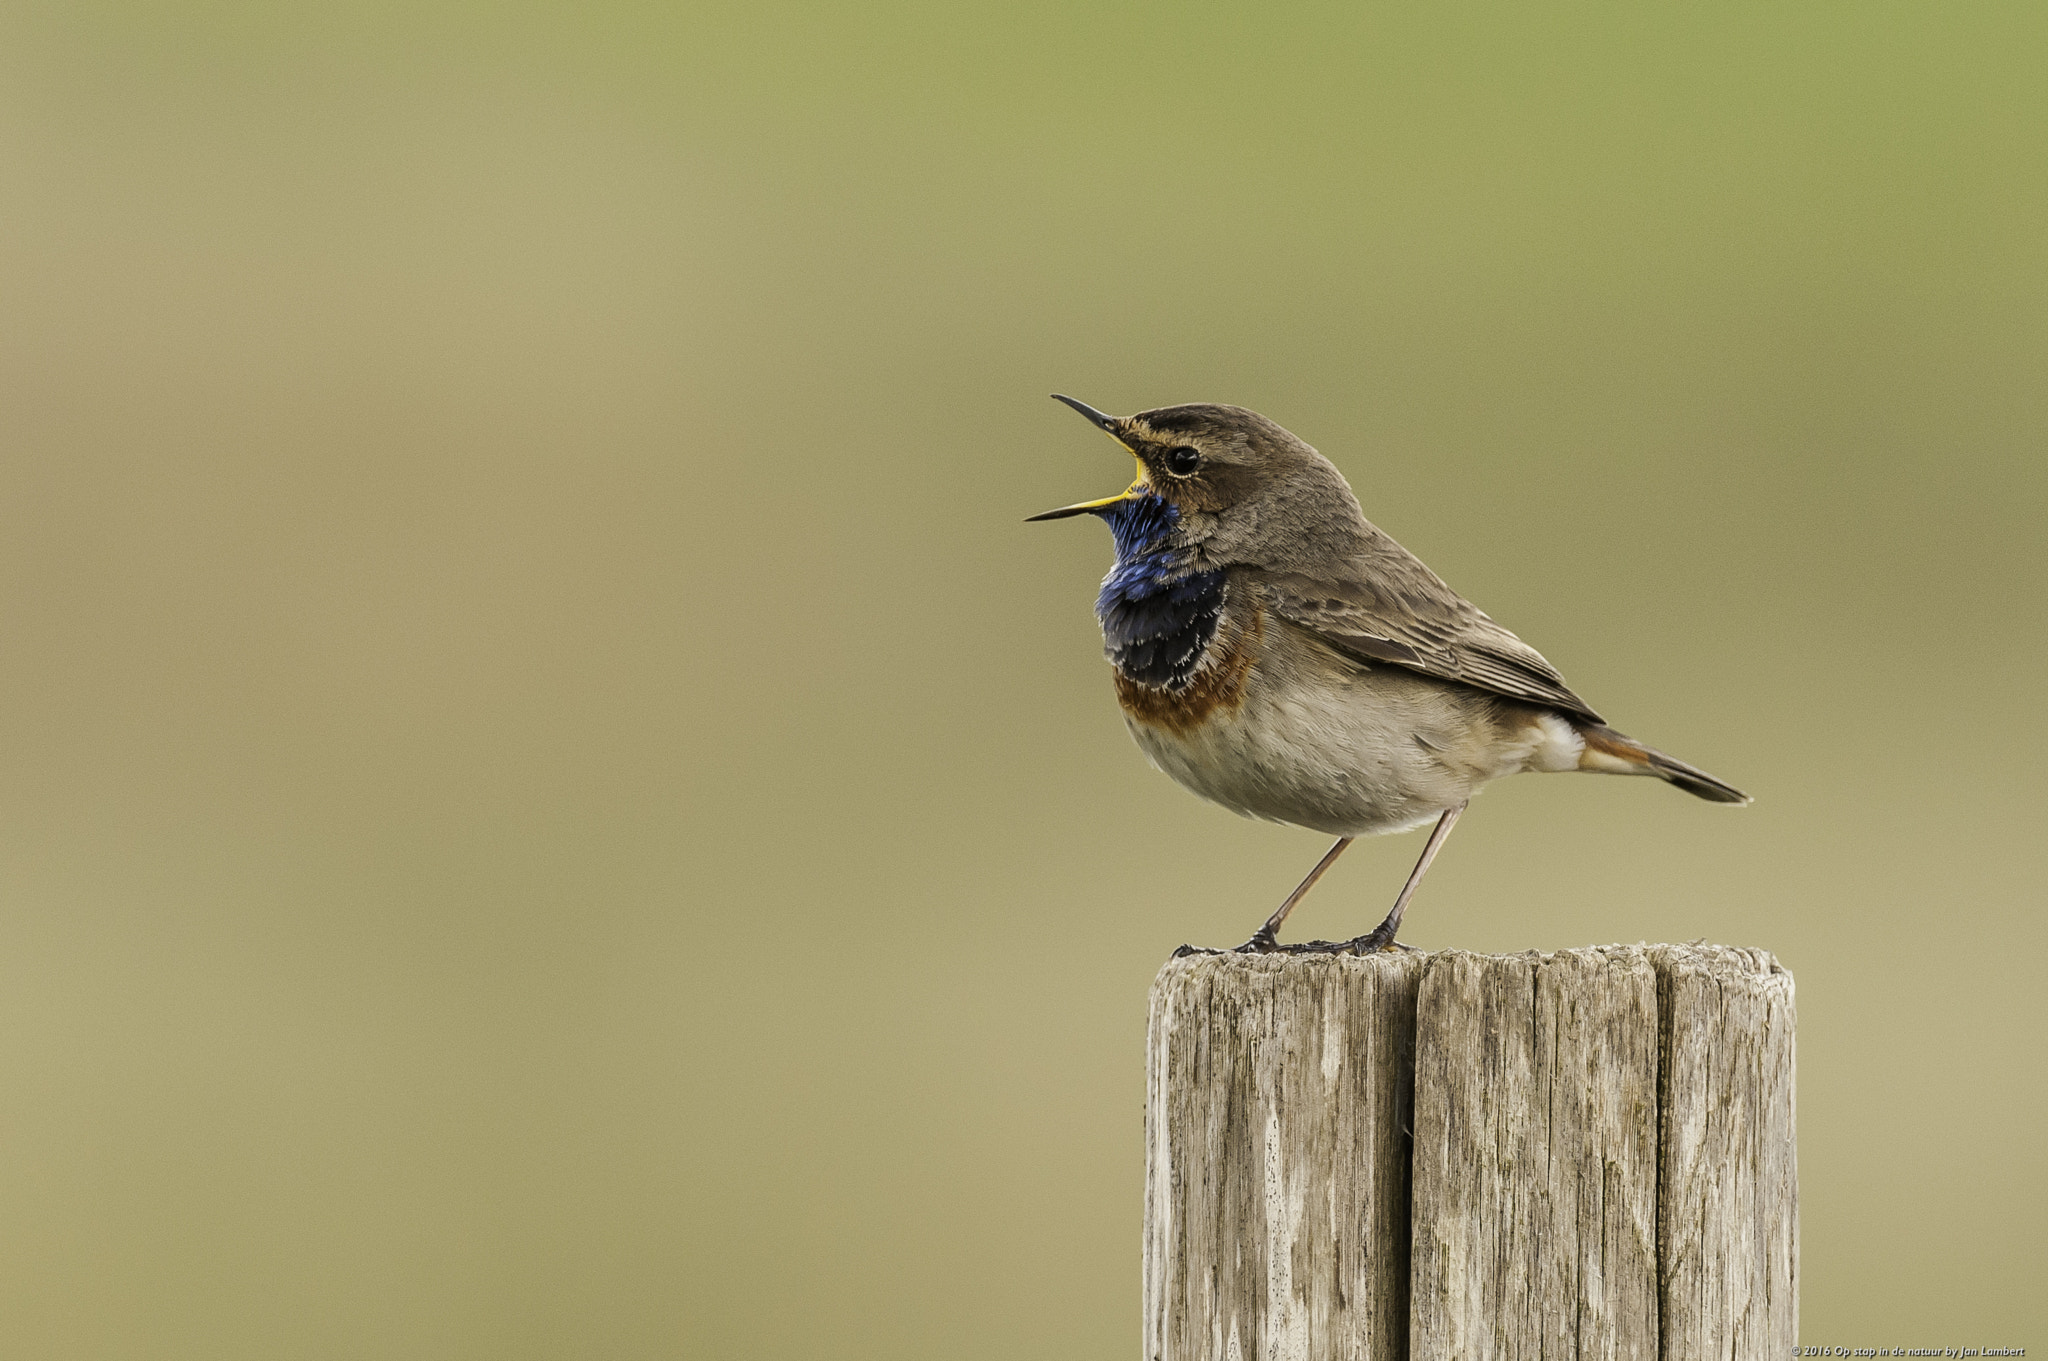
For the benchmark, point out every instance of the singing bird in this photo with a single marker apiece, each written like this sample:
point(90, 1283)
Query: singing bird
point(1277, 653)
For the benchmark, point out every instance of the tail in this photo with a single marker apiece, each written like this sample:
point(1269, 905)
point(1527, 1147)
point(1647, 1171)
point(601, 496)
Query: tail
point(1612, 753)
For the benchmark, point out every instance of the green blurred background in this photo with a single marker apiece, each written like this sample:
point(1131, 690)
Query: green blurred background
point(550, 807)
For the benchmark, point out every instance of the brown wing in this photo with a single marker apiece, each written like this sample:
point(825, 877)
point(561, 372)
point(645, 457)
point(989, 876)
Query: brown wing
point(1383, 605)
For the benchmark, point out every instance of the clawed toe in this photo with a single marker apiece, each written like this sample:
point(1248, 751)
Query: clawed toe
point(1263, 944)
point(1372, 942)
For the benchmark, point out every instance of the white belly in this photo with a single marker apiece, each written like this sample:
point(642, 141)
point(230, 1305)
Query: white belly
point(1326, 743)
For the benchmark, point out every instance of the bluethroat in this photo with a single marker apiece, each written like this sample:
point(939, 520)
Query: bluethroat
point(1277, 653)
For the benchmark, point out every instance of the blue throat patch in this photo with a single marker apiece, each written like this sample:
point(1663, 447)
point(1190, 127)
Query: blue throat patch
point(1157, 616)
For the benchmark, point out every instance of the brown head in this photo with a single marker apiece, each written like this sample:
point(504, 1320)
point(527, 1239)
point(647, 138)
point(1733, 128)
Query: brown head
point(1246, 489)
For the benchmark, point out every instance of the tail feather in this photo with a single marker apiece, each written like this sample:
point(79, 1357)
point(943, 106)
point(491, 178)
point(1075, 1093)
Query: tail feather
point(1618, 754)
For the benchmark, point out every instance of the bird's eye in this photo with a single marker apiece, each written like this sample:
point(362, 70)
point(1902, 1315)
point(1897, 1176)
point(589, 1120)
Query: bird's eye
point(1181, 460)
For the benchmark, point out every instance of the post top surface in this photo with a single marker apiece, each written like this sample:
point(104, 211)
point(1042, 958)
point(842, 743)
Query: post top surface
point(1733, 964)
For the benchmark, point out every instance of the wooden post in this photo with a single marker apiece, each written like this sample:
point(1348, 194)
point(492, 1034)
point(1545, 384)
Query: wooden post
point(1585, 1154)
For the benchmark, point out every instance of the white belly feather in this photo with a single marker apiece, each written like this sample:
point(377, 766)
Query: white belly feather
point(1324, 742)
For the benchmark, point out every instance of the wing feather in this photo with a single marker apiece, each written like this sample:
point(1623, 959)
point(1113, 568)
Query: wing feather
point(1383, 605)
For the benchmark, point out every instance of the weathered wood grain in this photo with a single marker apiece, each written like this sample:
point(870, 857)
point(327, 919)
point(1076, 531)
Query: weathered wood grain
point(1728, 1203)
point(1602, 1160)
point(1535, 1171)
point(1276, 1194)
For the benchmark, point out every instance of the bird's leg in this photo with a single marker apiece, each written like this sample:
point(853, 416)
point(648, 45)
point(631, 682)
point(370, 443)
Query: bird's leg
point(1381, 937)
point(1266, 938)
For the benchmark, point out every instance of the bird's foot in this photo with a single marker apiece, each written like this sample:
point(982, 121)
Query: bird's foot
point(1263, 944)
point(1259, 944)
point(1374, 941)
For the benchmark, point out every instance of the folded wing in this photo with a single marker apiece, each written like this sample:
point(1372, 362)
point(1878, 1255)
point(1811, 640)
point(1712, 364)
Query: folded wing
point(1383, 605)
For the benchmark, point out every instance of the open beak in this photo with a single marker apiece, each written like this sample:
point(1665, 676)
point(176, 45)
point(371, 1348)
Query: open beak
point(1130, 493)
point(1107, 422)
point(1109, 425)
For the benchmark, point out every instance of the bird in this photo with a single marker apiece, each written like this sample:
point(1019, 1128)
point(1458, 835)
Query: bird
point(1275, 652)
